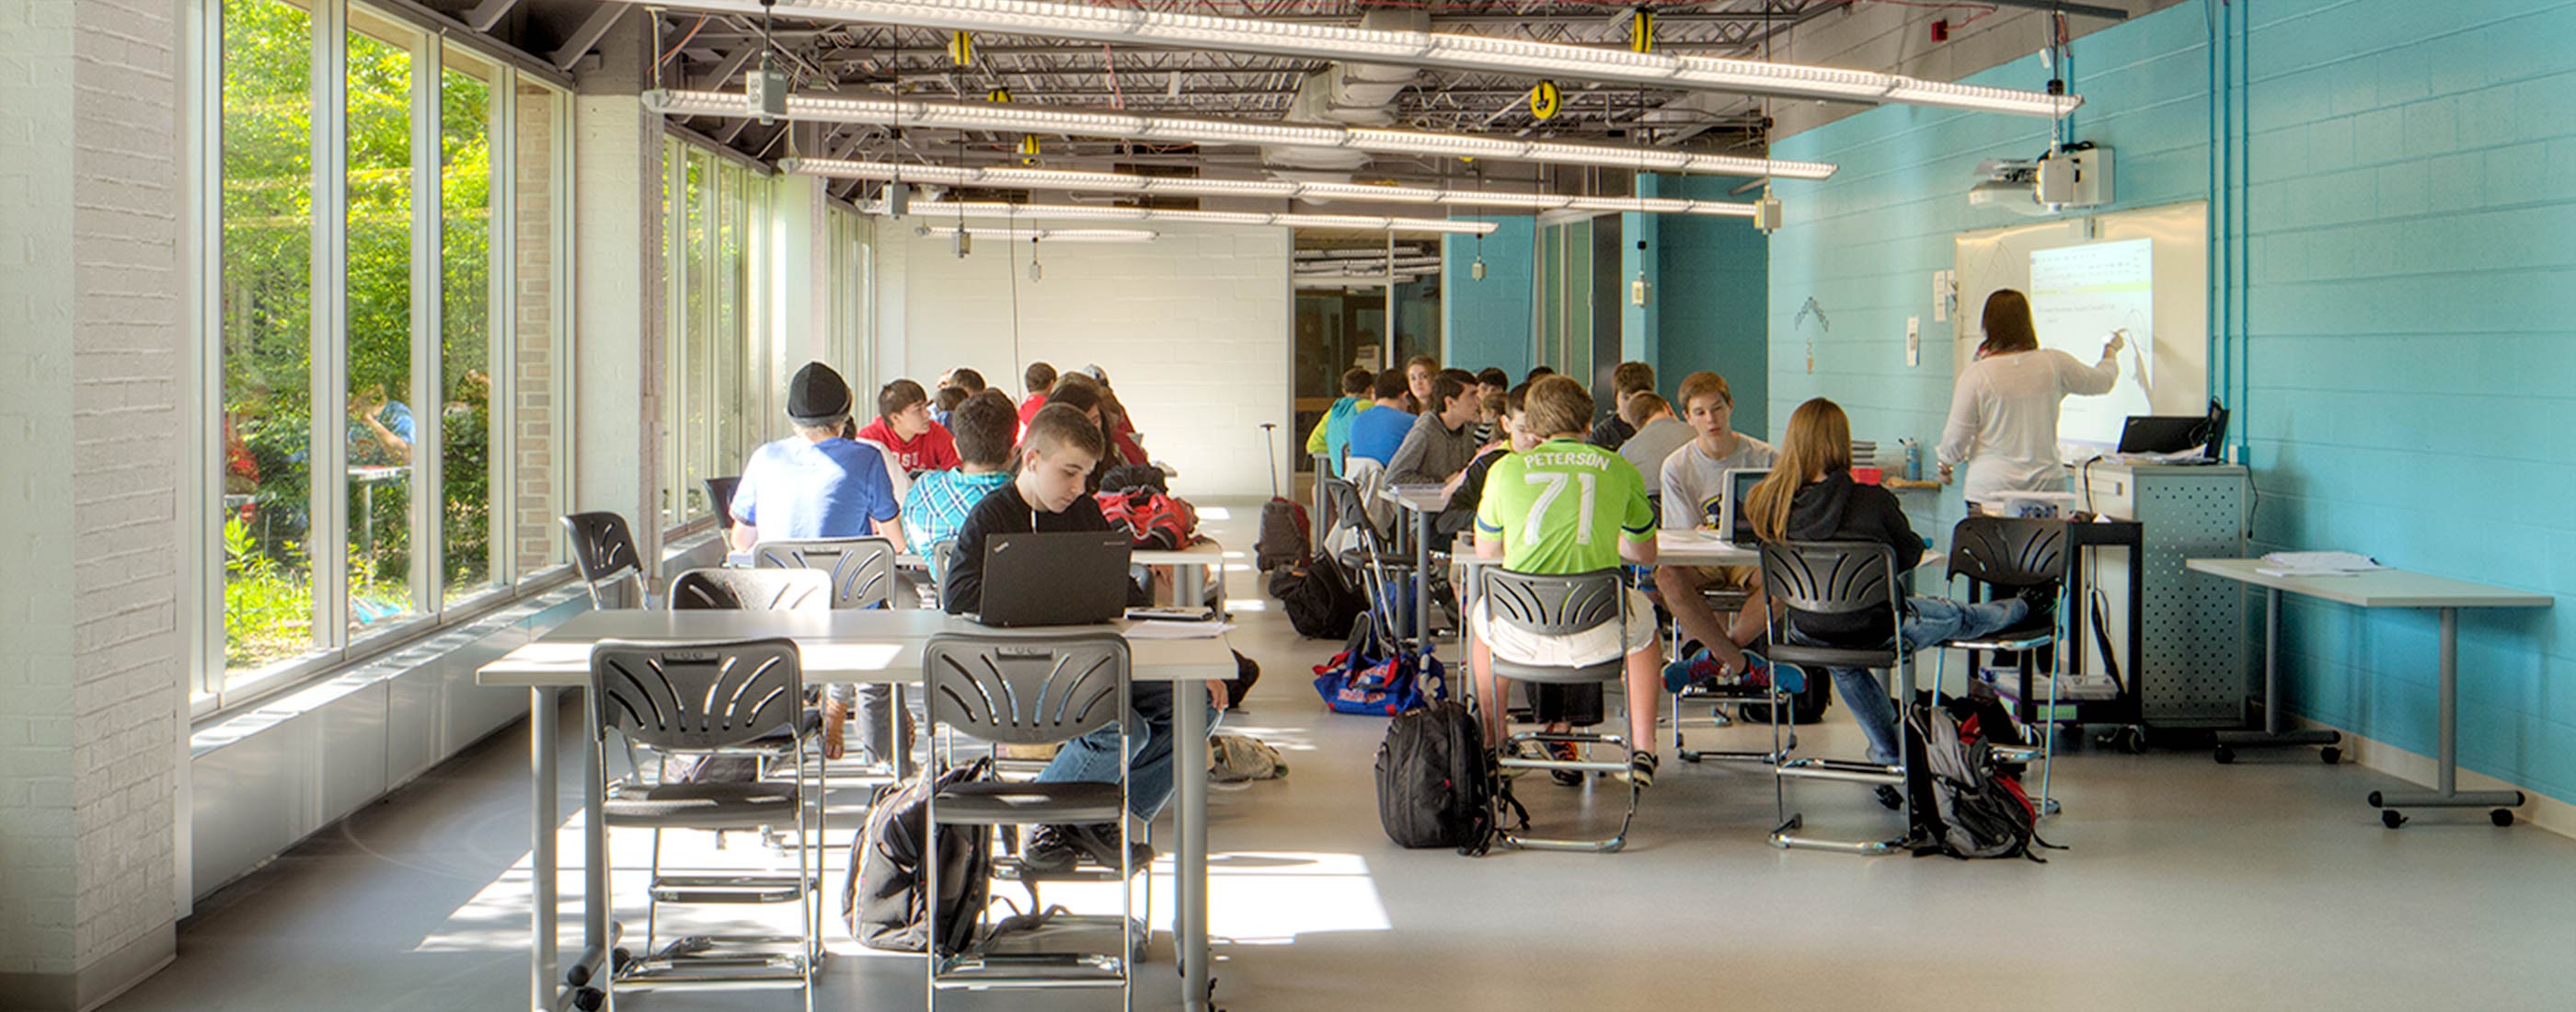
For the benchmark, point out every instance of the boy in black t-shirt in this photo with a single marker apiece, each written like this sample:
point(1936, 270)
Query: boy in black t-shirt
point(1056, 456)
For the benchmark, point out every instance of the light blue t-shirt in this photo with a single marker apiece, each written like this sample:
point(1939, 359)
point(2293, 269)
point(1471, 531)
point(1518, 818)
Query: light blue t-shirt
point(1378, 432)
point(795, 488)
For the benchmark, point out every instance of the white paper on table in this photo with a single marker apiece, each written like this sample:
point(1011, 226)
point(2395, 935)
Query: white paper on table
point(2318, 563)
point(1162, 629)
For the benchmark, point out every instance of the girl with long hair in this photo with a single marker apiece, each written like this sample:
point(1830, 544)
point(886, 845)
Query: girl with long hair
point(1810, 496)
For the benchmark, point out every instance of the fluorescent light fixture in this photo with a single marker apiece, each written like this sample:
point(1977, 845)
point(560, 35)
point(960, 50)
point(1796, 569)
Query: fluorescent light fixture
point(1281, 189)
point(1011, 118)
point(1085, 212)
point(1048, 234)
point(1515, 57)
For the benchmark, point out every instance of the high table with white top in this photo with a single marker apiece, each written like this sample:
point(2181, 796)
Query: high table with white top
point(878, 646)
point(2387, 588)
point(1196, 568)
point(1424, 502)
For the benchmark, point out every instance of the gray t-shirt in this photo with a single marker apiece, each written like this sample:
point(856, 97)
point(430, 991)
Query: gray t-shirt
point(1656, 441)
point(1695, 481)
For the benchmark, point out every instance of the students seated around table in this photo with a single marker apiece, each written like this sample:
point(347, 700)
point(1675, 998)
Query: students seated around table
point(1466, 491)
point(905, 428)
point(1626, 380)
point(1694, 481)
point(1059, 451)
point(1377, 434)
point(939, 501)
point(1418, 373)
point(1332, 432)
point(1567, 506)
point(1443, 440)
point(1125, 445)
point(815, 484)
point(1810, 496)
point(943, 405)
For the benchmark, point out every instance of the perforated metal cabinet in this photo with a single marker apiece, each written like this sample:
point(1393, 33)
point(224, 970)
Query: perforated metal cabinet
point(2194, 673)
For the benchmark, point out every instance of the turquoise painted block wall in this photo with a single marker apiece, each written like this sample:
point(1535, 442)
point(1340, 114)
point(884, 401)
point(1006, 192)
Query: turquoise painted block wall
point(2410, 351)
point(1711, 288)
point(1488, 322)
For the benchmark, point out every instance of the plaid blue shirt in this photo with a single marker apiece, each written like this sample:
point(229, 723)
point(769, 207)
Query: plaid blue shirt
point(939, 502)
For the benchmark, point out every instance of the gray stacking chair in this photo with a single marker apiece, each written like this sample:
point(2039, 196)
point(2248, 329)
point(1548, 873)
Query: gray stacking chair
point(1006, 689)
point(751, 590)
point(1815, 578)
point(713, 699)
point(863, 576)
point(1560, 605)
point(603, 550)
point(2010, 554)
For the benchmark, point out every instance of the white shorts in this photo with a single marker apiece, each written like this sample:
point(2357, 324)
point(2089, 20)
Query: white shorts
point(1584, 649)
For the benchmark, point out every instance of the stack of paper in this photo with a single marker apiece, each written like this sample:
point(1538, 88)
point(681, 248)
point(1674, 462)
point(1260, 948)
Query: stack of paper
point(2317, 564)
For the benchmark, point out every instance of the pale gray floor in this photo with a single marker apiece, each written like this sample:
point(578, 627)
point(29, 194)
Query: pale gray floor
point(2266, 885)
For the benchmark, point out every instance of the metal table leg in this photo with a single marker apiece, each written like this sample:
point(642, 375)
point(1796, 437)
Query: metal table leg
point(1190, 921)
point(541, 848)
point(2448, 793)
point(1422, 579)
point(2272, 736)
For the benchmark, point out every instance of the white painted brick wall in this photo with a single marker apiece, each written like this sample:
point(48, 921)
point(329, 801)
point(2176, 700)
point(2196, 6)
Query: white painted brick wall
point(1192, 328)
point(91, 379)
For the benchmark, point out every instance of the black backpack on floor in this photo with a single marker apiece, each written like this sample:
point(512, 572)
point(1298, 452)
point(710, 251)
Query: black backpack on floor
point(1318, 597)
point(1436, 785)
point(882, 897)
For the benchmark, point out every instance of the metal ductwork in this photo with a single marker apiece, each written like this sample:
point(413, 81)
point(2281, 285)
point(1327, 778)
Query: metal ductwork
point(1355, 94)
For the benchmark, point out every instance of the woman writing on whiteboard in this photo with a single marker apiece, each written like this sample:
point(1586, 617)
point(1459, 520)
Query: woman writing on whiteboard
point(2003, 416)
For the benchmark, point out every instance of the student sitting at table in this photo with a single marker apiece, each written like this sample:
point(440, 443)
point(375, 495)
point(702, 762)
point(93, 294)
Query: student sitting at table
point(1490, 383)
point(1626, 381)
point(943, 406)
point(1376, 434)
point(1443, 440)
point(1468, 488)
point(815, 484)
point(939, 501)
point(1058, 453)
point(1040, 379)
point(1333, 431)
point(1810, 496)
point(904, 426)
point(1694, 481)
point(1567, 506)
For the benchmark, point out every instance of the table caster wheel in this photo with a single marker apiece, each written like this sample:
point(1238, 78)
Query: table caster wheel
point(2391, 819)
point(2501, 817)
point(2330, 755)
point(2224, 755)
point(589, 999)
point(2374, 799)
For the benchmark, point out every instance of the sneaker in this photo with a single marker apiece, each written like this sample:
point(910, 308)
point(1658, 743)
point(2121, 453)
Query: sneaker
point(1689, 671)
point(2042, 599)
point(1058, 848)
point(1641, 769)
point(1565, 752)
point(1889, 796)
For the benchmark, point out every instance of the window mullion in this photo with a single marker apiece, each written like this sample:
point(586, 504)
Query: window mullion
point(328, 481)
point(501, 419)
point(202, 81)
point(428, 330)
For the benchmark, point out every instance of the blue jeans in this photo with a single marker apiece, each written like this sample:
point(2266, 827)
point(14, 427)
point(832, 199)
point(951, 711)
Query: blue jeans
point(1094, 756)
point(1928, 620)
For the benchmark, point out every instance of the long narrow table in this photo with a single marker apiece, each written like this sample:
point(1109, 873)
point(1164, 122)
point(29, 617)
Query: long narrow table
point(1424, 502)
point(2386, 588)
point(882, 646)
point(1197, 568)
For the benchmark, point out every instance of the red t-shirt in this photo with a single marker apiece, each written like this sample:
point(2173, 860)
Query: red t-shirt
point(934, 450)
point(1029, 409)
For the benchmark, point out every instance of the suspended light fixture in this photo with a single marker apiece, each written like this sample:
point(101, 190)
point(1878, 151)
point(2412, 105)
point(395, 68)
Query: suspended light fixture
point(1490, 54)
point(1003, 178)
point(1018, 118)
point(1085, 212)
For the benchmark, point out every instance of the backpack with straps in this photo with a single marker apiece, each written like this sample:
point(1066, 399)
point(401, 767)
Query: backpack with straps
point(882, 897)
point(1436, 784)
point(1977, 807)
point(1150, 516)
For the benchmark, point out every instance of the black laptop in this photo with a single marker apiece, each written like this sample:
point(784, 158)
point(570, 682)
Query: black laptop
point(1055, 578)
point(2175, 433)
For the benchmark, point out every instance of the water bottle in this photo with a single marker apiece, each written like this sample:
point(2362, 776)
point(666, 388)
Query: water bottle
point(1913, 459)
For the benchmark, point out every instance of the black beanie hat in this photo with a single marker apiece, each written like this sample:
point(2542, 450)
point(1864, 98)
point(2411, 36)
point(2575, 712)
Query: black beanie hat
point(817, 393)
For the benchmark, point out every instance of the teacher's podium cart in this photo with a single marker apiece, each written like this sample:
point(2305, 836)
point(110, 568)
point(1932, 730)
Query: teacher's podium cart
point(2389, 588)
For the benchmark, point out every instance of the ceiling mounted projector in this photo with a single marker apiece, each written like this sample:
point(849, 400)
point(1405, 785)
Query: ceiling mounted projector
point(2009, 186)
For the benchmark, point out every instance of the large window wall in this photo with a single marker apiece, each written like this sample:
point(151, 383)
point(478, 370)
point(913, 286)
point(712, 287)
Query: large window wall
point(384, 318)
point(720, 350)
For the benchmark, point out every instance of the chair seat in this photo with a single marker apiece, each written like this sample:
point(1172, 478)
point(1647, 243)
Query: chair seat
point(723, 805)
point(1833, 657)
point(1608, 671)
point(2028, 634)
point(1000, 803)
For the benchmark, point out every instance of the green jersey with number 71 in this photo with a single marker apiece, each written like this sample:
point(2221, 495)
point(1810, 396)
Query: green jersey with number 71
point(1562, 508)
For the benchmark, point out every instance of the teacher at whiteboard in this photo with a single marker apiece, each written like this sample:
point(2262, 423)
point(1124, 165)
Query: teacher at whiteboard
point(2003, 416)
